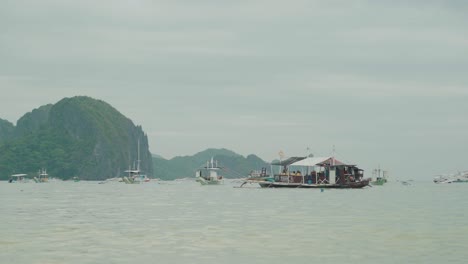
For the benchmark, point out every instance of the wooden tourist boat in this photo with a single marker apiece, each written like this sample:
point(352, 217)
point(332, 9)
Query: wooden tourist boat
point(316, 172)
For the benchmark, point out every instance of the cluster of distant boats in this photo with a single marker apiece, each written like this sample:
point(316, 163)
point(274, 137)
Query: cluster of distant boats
point(299, 172)
point(459, 177)
point(293, 172)
point(41, 177)
point(313, 172)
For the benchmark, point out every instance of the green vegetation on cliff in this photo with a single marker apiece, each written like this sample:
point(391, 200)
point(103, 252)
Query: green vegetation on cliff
point(77, 136)
point(32, 121)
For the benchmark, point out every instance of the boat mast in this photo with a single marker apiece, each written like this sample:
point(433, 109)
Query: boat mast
point(333, 156)
point(138, 160)
point(281, 156)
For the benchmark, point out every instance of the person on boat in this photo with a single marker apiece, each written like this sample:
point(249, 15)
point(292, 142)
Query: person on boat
point(313, 176)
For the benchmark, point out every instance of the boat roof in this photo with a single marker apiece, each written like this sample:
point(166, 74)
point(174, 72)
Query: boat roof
point(319, 161)
point(134, 171)
point(19, 175)
point(288, 161)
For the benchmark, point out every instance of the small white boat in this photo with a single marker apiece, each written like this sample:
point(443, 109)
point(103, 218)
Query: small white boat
point(18, 178)
point(208, 175)
point(42, 176)
point(134, 175)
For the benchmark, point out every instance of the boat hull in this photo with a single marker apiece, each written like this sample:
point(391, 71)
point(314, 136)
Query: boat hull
point(351, 185)
point(379, 182)
point(260, 179)
point(203, 181)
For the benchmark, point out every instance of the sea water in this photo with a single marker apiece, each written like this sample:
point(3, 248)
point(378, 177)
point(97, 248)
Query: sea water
point(183, 222)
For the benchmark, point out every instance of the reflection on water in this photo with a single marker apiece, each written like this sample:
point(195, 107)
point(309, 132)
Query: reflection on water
point(183, 222)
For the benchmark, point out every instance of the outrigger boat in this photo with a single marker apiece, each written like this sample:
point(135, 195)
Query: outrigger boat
point(256, 176)
point(259, 175)
point(316, 172)
point(208, 175)
point(380, 176)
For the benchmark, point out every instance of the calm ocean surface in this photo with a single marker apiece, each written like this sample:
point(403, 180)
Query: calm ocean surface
point(183, 222)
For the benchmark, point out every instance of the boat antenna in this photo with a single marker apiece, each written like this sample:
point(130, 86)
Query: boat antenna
point(309, 154)
point(138, 160)
point(281, 155)
point(333, 155)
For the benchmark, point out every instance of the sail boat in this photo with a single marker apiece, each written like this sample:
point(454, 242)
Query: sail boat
point(134, 174)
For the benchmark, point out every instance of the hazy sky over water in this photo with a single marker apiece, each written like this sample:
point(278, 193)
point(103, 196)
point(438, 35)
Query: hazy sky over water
point(386, 82)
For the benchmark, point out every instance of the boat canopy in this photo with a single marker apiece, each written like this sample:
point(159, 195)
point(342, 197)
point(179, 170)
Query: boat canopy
point(288, 161)
point(132, 171)
point(19, 175)
point(318, 161)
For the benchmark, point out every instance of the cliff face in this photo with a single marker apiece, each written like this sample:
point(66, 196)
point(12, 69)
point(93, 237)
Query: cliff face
point(77, 136)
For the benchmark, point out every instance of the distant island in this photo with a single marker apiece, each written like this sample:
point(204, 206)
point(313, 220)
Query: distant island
point(88, 138)
point(78, 136)
point(234, 165)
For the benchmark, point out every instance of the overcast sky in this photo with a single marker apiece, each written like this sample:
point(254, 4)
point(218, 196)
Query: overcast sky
point(385, 82)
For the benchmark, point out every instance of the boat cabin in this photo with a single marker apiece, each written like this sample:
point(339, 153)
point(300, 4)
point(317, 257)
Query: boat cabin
point(42, 176)
point(317, 170)
point(209, 173)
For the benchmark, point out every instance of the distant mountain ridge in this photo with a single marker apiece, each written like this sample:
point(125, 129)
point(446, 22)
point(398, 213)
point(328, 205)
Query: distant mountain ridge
point(78, 136)
point(235, 165)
